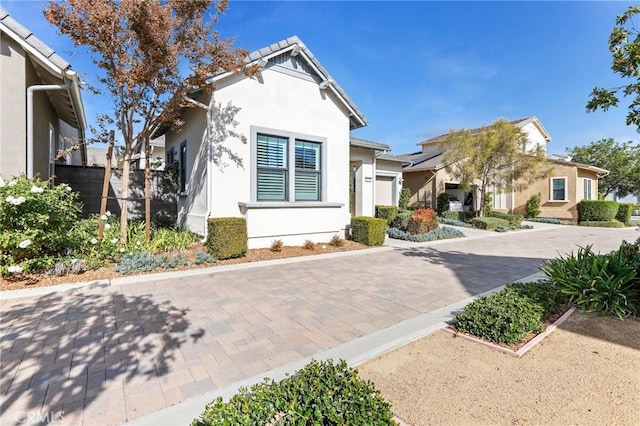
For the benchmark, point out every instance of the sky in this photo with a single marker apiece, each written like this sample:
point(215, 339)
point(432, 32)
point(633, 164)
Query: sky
point(418, 69)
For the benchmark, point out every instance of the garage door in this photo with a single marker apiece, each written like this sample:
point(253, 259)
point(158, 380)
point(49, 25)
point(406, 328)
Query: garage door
point(384, 190)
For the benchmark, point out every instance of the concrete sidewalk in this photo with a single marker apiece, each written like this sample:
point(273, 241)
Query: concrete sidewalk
point(108, 355)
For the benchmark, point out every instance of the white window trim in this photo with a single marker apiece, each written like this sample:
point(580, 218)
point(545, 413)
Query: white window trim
point(291, 136)
point(566, 189)
point(584, 193)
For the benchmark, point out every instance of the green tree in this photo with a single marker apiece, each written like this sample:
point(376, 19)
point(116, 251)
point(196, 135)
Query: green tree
point(141, 49)
point(624, 44)
point(621, 159)
point(497, 155)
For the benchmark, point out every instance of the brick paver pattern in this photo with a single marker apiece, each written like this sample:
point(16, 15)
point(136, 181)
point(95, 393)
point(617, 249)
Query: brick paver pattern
point(107, 356)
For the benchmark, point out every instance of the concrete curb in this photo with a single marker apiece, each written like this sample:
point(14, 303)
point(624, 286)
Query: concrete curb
point(354, 352)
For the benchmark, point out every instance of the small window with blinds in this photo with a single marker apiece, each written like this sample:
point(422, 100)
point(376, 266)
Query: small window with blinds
point(272, 165)
point(307, 173)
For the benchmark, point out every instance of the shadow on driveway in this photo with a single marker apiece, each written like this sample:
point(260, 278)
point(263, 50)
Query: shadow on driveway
point(60, 351)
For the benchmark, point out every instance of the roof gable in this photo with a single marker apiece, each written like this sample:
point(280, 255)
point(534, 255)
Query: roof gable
point(51, 68)
point(292, 56)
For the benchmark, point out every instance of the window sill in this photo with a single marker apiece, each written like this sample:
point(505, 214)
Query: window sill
point(558, 201)
point(288, 205)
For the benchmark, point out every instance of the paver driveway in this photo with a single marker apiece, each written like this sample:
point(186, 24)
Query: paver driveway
point(106, 356)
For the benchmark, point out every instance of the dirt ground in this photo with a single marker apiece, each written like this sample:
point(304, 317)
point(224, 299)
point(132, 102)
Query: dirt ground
point(586, 372)
point(254, 255)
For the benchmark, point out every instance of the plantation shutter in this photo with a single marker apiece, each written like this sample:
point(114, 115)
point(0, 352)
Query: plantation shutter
point(272, 168)
point(307, 177)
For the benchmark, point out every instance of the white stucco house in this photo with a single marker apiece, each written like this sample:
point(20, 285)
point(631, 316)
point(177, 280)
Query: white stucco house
point(276, 150)
point(41, 103)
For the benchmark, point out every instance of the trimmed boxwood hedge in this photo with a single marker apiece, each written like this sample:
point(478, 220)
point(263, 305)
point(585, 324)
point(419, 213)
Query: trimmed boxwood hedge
point(457, 215)
point(602, 223)
point(595, 210)
point(624, 212)
point(368, 230)
point(321, 393)
point(489, 223)
point(227, 237)
point(514, 219)
point(387, 212)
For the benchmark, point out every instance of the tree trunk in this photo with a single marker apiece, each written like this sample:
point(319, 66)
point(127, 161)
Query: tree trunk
point(126, 165)
point(105, 185)
point(147, 189)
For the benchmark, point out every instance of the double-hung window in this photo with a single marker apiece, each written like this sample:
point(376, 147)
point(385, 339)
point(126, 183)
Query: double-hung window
point(288, 167)
point(558, 189)
point(587, 189)
point(272, 163)
point(307, 178)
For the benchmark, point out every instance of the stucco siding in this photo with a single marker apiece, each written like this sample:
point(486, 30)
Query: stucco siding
point(18, 74)
point(558, 209)
point(13, 106)
point(281, 104)
point(365, 175)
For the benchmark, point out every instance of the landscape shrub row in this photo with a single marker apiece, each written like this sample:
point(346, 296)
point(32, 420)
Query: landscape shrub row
point(489, 223)
point(513, 219)
point(602, 223)
point(457, 215)
point(321, 393)
point(597, 210)
point(441, 233)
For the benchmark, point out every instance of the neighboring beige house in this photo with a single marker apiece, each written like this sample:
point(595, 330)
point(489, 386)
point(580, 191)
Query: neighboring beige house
point(376, 177)
point(568, 184)
point(37, 135)
point(286, 164)
point(426, 177)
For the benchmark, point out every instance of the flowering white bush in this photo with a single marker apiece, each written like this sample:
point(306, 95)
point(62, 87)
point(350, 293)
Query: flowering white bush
point(35, 223)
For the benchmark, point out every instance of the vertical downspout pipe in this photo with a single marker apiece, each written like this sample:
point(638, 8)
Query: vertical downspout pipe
point(30, 90)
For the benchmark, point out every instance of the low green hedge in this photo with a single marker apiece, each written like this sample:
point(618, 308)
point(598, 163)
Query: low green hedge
point(489, 223)
point(551, 220)
point(597, 210)
point(368, 230)
point(624, 212)
point(386, 212)
point(227, 237)
point(456, 215)
point(321, 393)
point(514, 219)
point(602, 223)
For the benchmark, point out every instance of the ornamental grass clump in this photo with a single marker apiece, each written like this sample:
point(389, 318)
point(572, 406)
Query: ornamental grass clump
point(608, 284)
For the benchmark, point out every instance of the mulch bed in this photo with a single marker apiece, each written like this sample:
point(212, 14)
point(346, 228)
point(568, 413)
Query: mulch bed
point(23, 281)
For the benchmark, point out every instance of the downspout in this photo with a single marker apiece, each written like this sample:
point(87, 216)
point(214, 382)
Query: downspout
point(208, 169)
point(30, 90)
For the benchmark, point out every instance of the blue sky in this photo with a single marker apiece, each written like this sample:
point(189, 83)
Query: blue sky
point(419, 69)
